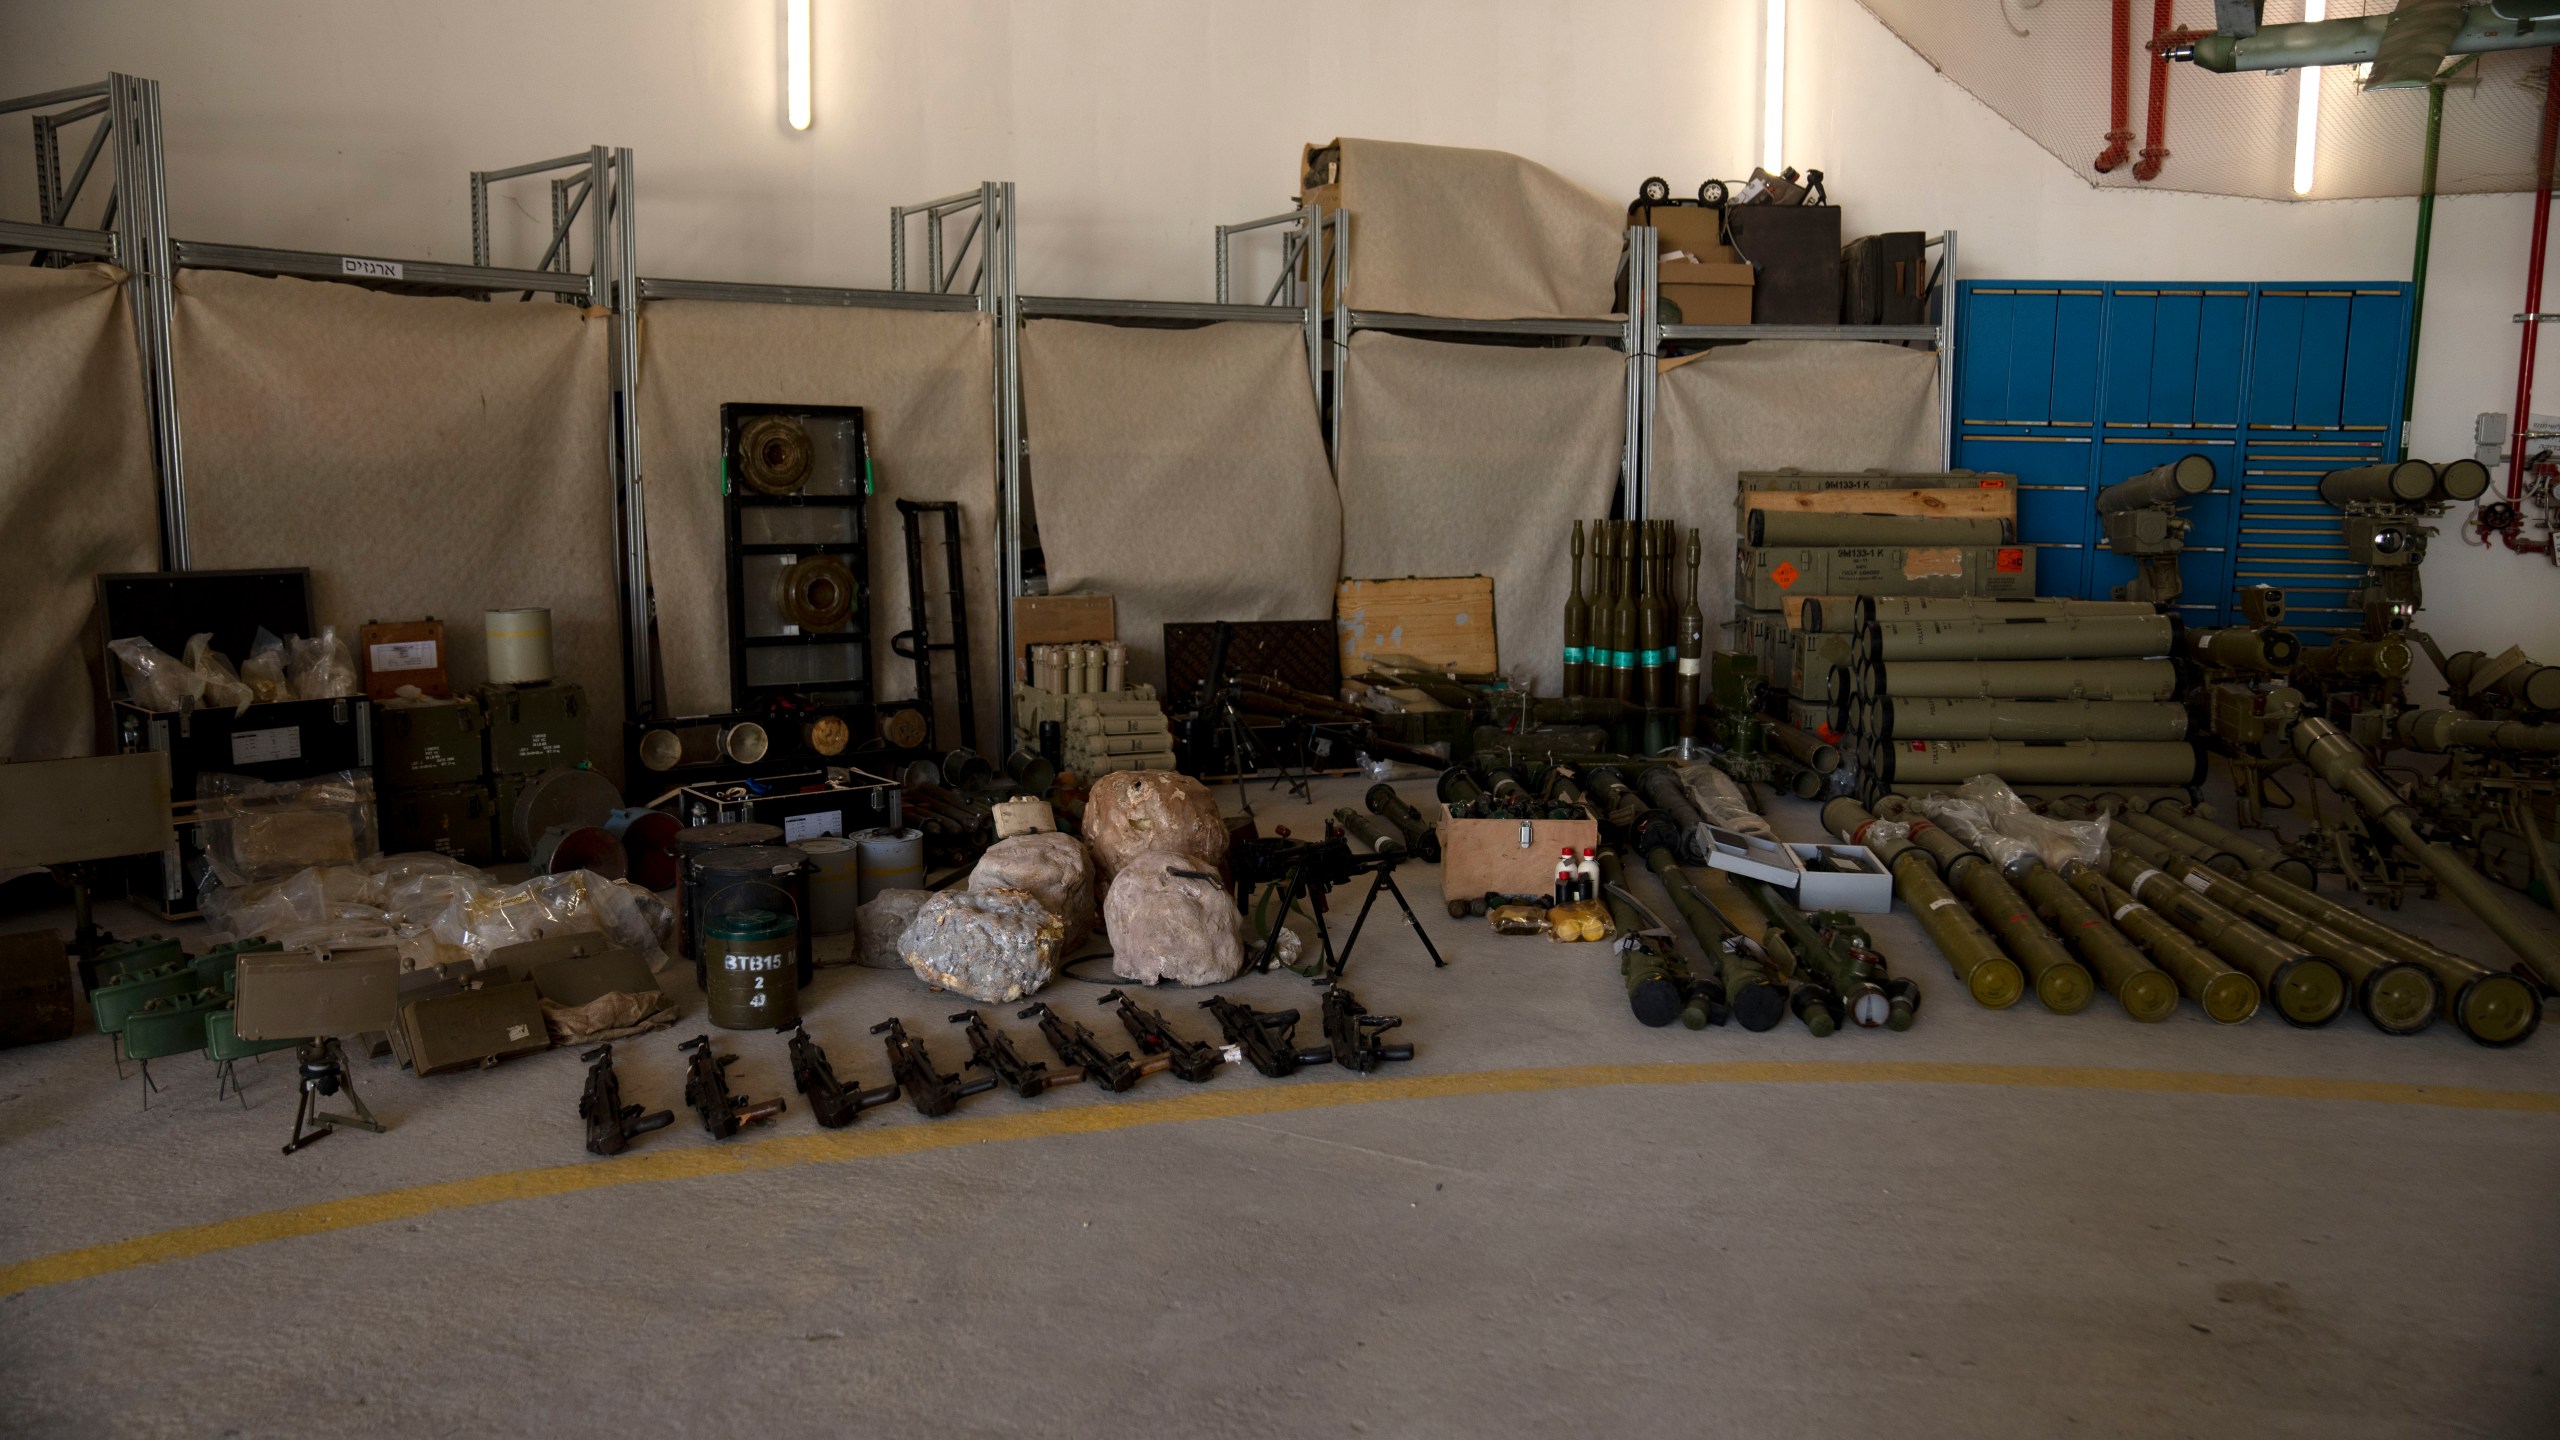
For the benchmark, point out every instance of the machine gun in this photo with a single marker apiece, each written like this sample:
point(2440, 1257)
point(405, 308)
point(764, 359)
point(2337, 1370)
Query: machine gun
point(932, 1092)
point(2140, 520)
point(323, 1064)
point(1077, 1045)
point(992, 1050)
point(1357, 1036)
point(611, 1125)
point(1192, 1060)
point(1268, 1038)
point(835, 1103)
point(706, 1089)
point(1310, 869)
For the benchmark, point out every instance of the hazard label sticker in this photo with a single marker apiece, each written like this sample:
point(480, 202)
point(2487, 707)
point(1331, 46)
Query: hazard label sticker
point(1786, 575)
point(2010, 562)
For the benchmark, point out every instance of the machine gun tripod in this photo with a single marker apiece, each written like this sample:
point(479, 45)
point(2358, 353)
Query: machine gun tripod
point(1311, 869)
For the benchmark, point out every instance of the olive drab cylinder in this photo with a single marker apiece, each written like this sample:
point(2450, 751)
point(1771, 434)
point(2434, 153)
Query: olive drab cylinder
point(1577, 626)
point(2067, 762)
point(1795, 527)
point(1691, 646)
point(752, 959)
point(2536, 687)
point(2459, 480)
point(2182, 843)
point(2263, 651)
point(2389, 658)
point(1990, 977)
point(2305, 990)
point(2026, 679)
point(2225, 994)
point(2146, 993)
point(2069, 637)
point(1954, 718)
point(1891, 608)
point(2406, 483)
point(2181, 479)
point(1814, 754)
point(2179, 815)
point(1652, 621)
point(2337, 761)
point(1853, 822)
point(2437, 731)
point(1377, 839)
point(1622, 614)
point(2061, 984)
point(1752, 990)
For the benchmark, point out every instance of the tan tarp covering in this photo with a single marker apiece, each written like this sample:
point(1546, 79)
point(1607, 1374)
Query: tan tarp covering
point(1475, 234)
point(1182, 472)
point(77, 494)
point(1812, 404)
point(926, 382)
point(438, 456)
point(1476, 460)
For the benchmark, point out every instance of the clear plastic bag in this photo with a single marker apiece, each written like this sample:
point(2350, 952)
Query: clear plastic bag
point(2059, 843)
point(1580, 920)
point(222, 684)
point(154, 678)
point(1721, 800)
point(271, 829)
point(264, 669)
point(1971, 824)
point(1518, 919)
point(438, 911)
point(320, 667)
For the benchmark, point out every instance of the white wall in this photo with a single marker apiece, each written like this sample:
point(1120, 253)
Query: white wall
point(1133, 126)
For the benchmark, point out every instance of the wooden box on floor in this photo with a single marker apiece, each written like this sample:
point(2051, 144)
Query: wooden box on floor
point(1507, 857)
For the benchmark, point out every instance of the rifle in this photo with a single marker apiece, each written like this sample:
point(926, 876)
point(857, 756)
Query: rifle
point(706, 1088)
point(932, 1092)
point(835, 1103)
point(1268, 1038)
point(1192, 1060)
point(610, 1123)
point(1355, 1033)
point(992, 1050)
point(1077, 1045)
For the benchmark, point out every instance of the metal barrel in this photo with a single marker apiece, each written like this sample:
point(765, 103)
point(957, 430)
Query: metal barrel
point(2225, 994)
point(1796, 527)
point(2494, 1007)
point(2061, 985)
point(1806, 750)
point(753, 973)
point(1380, 839)
point(2064, 637)
point(2179, 815)
point(891, 860)
point(2437, 731)
point(2336, 760)
point(2180, 842)
point(2180, 479)
point(2458, 480)
point(2389, 657)
point(1933, 718)
point(2306, 990)
point(2404, 483)
point(2399, 996)
point(2146, 993)
point(2265, 652)
point(2026, 679)
point(1752, 989)
point(1989, 975)
point(2028, 762)
point(835, 890)
point(1872, 608)
point(1851, 821)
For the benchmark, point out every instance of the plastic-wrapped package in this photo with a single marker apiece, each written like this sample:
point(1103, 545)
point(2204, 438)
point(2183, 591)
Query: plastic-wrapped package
point(1054, 868)
point(269, 829)
point(1297, 938)
point(994, 946)
point(881, 924)
point(154, 678)
point(438, 912)
point(1579, 920)
point(1171, 920)
point(1720, 800)
point(1517, 919)
point(1881, 835)
point(1971, 824)
point(1135, 811)
point(2057, 842)
point(222, 684)
point(264, 669)
point(320, 667)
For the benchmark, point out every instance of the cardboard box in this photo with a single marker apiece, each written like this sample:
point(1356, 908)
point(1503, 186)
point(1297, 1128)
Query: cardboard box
point(1440, 622)
point(1753, 857)
point(1866, 891)
point(1696, 231)
point(1061, 620)
point(1708, 293)
point(402, 652)
point(1768, 573)
point(1506, 857)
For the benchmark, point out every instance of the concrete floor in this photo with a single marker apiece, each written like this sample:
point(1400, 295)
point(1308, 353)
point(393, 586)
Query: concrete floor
point(1553, 1222)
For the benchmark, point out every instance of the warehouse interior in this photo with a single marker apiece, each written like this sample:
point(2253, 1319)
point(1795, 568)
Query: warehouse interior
point(1758, 717)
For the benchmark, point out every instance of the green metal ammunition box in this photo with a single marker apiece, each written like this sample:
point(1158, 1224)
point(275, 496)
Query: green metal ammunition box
point(456, 820)
point(1767, 574)
point(533, 728)
point(422, 743)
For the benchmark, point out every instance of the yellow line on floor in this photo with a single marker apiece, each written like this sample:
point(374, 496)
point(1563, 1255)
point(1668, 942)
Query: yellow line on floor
point(704, 1161)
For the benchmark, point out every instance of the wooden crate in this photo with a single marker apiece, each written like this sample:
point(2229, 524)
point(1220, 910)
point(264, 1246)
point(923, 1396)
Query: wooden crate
point(1987, 502)
point(1481, 856)
point(1445, 621)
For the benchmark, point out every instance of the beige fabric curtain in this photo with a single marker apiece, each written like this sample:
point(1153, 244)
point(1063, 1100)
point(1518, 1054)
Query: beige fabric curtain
point(1478, 234)
point(439, 456)
point(1182, 472)
point(1812, 404)
point(926, 382)
point(78, 495)
point(1476, 460)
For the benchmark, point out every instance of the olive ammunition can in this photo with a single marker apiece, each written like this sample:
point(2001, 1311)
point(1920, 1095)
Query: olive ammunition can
point(421, 743)
point(2305, 990)
point(2406, 483)
point(2069, 637)
point(1975, 719)
point(2153, 680)
point(2181, 479)
point(2225, 994)
point(2024, 762)
point(754, 970)
point(1797, 527)
point(2179, 815)
point(2264, 652)
point(535, 728)
point(1990, 977)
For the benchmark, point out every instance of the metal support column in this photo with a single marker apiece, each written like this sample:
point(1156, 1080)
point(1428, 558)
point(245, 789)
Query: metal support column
point(1003, 286)
point(142, 241)
point(640, 686)
point(1642, 343)
point(1945, 244)
point(1341, 323)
